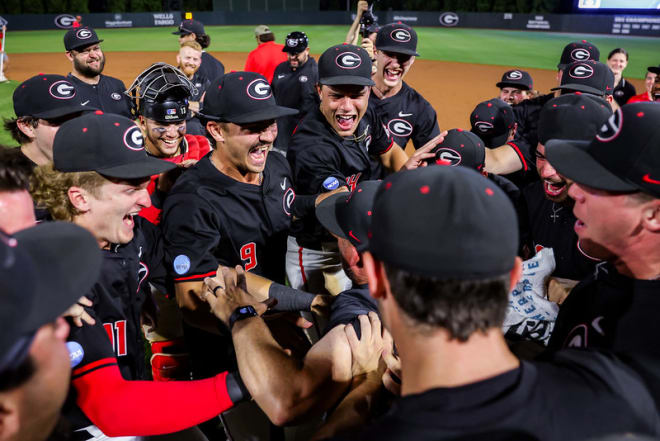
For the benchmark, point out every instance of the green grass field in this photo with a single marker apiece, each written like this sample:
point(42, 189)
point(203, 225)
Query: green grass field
point(481, 46)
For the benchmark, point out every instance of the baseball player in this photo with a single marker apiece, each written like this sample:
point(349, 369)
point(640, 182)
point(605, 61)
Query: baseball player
point(160, 97)
point(189, 60)
point(406, 114)
point(41, 104)
point(651, 75)
point(193, 30)
point(515, 86)
point(337, 145)
point(616, 206)
point(98, 181)
point(93, 88)
point(294, 85)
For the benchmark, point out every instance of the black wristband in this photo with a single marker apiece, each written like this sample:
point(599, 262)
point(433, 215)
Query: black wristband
point(235, 388)
point(290, 299)
point(241, 313)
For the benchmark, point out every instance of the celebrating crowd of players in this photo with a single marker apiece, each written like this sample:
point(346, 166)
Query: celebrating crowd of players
point(290, 265)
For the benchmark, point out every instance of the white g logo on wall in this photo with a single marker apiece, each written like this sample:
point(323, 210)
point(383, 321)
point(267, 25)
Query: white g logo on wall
point(259, 89)
point(581, 71)
point(62, 90)
point(580, 54)
point(348, 60)
point(64, 21)
point(133, 138)
point(449, 19)
point(400, 35)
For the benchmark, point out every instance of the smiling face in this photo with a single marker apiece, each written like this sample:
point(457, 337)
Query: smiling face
point(162, 139)
point(189, 60)
point(392, 67)
point(555, 186)
point(88, 62)
point(512, 95)
point(111, 208)
point(617, 63)
point(344, 106)
point(649, 81)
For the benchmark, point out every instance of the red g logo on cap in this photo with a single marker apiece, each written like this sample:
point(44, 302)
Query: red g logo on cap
point(400, 35)
point(581, 71)
point(62, 90)
point(450, 156)
point(611, 128)
point(83, 34)
point(259, 89)
point(483, 126)
point(348, 60)
point(580, 54)
point(133, 138)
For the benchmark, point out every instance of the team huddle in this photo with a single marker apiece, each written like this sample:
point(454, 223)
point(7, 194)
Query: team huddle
point(222, 255)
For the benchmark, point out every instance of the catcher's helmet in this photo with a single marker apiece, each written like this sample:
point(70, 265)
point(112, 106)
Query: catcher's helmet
point(295, 42)
point(161, 93)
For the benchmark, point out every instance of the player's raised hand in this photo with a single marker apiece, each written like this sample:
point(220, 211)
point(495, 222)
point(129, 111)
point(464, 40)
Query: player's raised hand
point(418, 159)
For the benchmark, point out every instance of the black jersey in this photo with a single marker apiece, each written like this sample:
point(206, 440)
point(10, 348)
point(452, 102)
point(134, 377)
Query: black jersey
point(610, 311)
point(297, 90)
point(194, 125)
point(547, 224)
point(407, 115)
point(211, 67)
point(623, 92)
point(574, 395)
point(210, 219)
point(348, 305)
point(321, 161)
point(107, 95)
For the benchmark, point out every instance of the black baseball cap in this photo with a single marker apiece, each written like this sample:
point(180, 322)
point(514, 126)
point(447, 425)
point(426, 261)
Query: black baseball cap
point(517, 78)
point(623, 157)
point(398, 38)
point(572, 117)
point(240, 98)
point(348, 215)
point(109, 144)
point(345, 64)
point(295, 42)
point(444, 222)
point(654, 69)
point(47, 96)
point(43, 271)
point(460, 147)
point(190, 27)
point(578, 51)
point(589, 77)
point(492, 121)
point(78, 38)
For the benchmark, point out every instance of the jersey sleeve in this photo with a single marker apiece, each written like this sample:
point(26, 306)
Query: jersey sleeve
point(380, 142)
point(316, 170)
point(524, 151)
point(191, 231)
point(153, 253)
point(426, 125)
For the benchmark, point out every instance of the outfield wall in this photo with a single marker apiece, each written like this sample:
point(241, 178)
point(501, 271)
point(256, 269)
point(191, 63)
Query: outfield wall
point(638, 25)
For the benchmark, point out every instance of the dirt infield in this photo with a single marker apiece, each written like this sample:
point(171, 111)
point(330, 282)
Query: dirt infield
point(453, 89)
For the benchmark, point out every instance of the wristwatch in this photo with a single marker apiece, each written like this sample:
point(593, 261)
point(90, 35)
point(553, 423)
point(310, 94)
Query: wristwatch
point(241, 313)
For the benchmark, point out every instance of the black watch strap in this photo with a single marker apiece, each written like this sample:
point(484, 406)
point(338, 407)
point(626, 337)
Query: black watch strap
point(241, 313)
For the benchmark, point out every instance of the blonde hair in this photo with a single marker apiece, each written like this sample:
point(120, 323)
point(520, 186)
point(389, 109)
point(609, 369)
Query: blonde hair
point(192, 44)
point(49, 189)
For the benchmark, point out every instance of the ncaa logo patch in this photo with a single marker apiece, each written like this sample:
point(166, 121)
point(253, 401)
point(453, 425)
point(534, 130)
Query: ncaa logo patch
point(580, 54)
point(483, 126)
point(448, 19)
point(83, 34)
point(515, 75)
point(303, 78)
point(331, 183)
point(611, 128)
point(259, 89)
point(287, 200)
point(348, 60)
point(64, 21)
point(115, 96)
point(400, 35)
point(181, 264)
point(451, 156)
point(581, 71)
point(133, 138)
point(62, 90)
point(76, 353)
point(399, 127)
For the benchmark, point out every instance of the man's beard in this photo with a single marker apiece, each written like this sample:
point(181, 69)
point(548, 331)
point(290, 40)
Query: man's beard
point(87, 71)
point(188, 71)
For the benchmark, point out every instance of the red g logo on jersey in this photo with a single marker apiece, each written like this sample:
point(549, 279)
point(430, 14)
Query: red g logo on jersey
point(352, 181)
point(399, 127)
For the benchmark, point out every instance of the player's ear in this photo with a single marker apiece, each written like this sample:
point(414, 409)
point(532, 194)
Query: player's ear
point(213, 128)
point(375, 276)
point(318, 89)
point(9, 421)
point(142, 124)
point(69, 55)
point(26, 128)
point(178, 59)
point(651, 216)
point(79, 198)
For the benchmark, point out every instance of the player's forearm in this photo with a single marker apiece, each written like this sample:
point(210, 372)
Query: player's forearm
point(502, 160)
point(141, 408)
point(352, 35)
point(394, 159)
